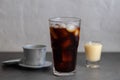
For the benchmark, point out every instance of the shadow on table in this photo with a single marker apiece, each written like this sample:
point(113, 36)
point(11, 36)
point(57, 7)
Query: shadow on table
point(17, 67)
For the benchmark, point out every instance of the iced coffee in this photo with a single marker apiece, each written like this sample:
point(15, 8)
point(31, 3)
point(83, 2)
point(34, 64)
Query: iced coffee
point(93, 54)
point(64, 34)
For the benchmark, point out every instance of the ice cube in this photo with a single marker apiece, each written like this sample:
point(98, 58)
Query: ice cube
point(63, 32)
point(66, 56)
point(53, 34)
point(76, 32)
point(57, 26)
point(66, 43)
point(71, 27)
point(63, 25)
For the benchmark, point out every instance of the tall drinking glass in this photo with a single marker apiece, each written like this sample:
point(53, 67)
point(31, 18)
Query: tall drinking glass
point(64, 33)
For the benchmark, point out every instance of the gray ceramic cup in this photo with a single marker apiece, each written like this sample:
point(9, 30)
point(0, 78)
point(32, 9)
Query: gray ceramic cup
point(34, 55)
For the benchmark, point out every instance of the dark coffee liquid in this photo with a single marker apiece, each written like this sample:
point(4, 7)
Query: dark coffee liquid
point(64, 46)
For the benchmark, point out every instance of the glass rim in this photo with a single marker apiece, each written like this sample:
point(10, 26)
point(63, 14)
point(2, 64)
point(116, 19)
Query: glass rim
point(34, 46)
point(98, 42)
point(62, 19)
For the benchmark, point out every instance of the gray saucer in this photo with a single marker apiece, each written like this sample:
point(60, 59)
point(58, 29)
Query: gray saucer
point(47, 64)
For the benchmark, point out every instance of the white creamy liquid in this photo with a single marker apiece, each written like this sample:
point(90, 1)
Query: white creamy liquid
point(93, 51)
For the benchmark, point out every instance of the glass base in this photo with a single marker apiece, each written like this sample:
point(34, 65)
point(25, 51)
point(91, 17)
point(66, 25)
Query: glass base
point(90, 64)
point(56, 73)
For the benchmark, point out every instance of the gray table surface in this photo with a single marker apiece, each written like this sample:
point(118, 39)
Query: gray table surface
point(109, 70)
